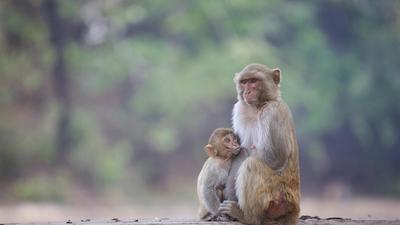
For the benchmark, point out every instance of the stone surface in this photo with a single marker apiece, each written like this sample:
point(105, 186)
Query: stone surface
point(305, 220)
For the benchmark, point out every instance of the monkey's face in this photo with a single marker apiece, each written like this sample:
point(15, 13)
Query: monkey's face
point(257, 84)
point(230, 145)
point(251, 89)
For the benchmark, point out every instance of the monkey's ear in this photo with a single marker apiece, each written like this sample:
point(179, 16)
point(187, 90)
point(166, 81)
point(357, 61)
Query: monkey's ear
point(276, 75)
point(209, 149)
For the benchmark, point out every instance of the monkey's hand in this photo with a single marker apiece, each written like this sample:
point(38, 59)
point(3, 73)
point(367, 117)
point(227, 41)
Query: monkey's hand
point(232, 209)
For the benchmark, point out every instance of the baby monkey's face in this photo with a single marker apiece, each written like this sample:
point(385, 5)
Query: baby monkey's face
point(231, 145)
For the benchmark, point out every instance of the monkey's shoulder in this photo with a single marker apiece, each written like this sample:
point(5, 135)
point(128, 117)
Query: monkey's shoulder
point(218, 164)
point(276, 109)
point(215, 168)
point(275, 106)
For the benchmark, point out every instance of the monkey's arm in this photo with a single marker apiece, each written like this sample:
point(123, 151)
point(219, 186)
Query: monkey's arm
point(229, 191)
point(281, 132)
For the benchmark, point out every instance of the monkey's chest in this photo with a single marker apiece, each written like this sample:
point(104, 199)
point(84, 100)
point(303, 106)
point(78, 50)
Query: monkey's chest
point(253, 127)
point(220, 171)
point(221, 176)
point(253, 134)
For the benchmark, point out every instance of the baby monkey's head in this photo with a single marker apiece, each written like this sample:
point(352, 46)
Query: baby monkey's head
point(223, 143)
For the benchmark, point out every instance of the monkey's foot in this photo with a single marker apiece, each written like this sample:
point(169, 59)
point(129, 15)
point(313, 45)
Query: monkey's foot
point(224, 218)
point(276, 210)
point(210, 217)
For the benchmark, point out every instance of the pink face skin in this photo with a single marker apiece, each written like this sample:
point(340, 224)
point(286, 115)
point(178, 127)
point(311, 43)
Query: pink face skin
point(250, 89)
point(230, 142)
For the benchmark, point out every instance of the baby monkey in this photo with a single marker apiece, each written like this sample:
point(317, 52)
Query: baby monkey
point(222, 147)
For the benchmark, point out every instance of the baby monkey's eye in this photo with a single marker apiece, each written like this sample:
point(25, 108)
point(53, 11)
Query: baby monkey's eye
point(226, 139)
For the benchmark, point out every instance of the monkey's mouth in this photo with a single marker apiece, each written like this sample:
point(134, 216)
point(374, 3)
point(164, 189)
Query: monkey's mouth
point(250, 96)
point(236, 151)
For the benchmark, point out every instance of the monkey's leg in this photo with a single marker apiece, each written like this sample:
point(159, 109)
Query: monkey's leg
point(257, 186)
point(211, 201)
point(203, 214)
point(207, 216)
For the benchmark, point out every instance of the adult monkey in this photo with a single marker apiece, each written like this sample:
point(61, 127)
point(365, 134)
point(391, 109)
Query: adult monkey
point(267, 182)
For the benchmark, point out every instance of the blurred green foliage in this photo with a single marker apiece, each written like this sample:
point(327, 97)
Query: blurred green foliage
point(41, 188)
point(149, 81)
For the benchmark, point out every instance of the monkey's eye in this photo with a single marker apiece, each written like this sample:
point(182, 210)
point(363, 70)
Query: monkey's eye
point(226, 139)
point(243, 81)
point(252, 80)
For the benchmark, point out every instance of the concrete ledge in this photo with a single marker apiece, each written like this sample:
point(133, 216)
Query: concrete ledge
point(305, 220)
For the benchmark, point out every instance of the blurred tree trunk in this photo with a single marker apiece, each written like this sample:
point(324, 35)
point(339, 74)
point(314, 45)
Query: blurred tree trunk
point(61, 82)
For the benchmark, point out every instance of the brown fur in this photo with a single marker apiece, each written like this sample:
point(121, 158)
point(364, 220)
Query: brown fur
point(268, 182)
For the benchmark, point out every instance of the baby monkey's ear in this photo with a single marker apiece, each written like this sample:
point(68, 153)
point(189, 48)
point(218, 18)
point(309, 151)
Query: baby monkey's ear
point(209, 149)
